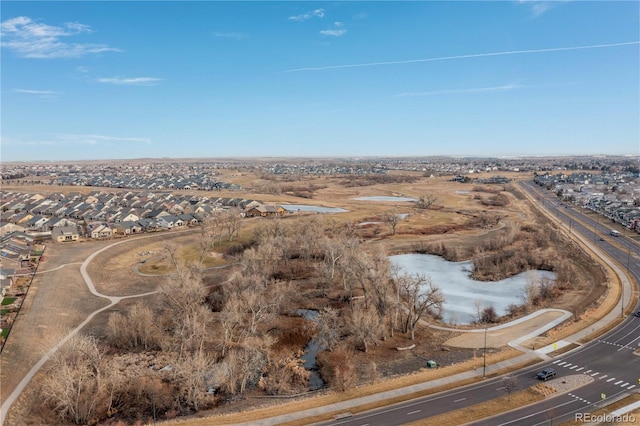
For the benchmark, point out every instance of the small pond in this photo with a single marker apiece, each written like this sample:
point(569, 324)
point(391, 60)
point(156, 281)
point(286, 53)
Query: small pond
point(461, 292)
point(308, 208)
point(385, 198)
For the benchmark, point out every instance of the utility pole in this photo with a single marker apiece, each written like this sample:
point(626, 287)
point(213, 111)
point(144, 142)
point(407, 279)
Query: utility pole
point(484, 355)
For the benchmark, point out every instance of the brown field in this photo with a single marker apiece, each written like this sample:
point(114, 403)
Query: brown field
point(58, 300)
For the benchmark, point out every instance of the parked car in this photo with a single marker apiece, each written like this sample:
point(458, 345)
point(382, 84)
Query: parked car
point(546, 374)
point(637, 314)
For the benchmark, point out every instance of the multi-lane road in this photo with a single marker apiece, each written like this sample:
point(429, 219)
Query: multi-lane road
point(609, 362)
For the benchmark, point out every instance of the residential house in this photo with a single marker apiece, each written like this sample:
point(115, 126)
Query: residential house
point(266, 210)
point(62, 234)
point(7, 227)
point(100, 230)
point(128, 227)
point(36, 222)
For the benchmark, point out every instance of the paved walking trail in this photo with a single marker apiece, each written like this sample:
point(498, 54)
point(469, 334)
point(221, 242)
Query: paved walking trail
point(114, 300)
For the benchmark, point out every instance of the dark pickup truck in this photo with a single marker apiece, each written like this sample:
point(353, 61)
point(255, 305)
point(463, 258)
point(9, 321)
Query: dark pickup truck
point(546, 374)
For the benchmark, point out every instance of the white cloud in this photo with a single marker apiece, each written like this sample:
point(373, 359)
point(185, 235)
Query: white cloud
point(82, 69)
point(477, 55)
point(334, 33)
point(133, 81)
point(338, 32)
point(36, 92)
point(471, 90)
point(96, 139)
point(318, 13)
point(538, 8)
point(30, 39)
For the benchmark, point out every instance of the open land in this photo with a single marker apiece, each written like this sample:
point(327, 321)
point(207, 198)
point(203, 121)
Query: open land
point(460, 223)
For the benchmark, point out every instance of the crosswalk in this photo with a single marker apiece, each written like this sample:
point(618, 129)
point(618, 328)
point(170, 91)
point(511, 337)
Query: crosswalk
point(595, 374)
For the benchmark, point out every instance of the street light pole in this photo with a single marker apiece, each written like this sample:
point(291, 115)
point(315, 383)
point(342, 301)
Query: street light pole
point(484, 355)
point(622, 291)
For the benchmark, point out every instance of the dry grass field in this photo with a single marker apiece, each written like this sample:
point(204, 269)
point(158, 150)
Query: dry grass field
point(59, 300)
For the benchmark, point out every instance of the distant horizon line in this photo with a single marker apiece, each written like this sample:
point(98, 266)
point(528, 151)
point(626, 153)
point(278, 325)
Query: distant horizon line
point(325, 157)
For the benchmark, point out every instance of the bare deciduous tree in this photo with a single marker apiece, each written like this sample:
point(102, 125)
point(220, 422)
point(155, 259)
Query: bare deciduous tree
point(137, 328)
point(421, 295)
point(74, 386)
point(194, 376)
point(329, 328)
point(393, 218)
point(428, 201)
point(510, 385)
point(210, 228)
point(232, 221)
point(244, 363)
point(365, 327)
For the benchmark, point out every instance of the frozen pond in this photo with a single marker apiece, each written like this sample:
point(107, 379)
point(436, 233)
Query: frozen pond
point(309, 208)
point(385, 198)
point(463, 293)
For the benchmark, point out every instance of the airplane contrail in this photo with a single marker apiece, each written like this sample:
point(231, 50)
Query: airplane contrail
point(477, 55)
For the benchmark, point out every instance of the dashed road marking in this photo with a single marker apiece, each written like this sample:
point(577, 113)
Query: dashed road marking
point(616, 344)
point(413, 412)
point(611, 380)
point(578, 398)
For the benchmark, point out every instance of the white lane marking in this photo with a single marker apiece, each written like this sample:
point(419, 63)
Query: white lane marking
point(618, 382)
point(580, 369)
point(461, 399)
point(611, 380)
point(575, 366)
point(534, 414)
point(413, 412)
point(631, 387)
point(595, 374)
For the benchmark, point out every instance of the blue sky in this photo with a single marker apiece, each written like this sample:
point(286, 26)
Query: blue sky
point(111, 80)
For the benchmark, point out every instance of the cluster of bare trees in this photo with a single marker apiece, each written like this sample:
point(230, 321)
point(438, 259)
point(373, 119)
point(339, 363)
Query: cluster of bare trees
point(209, 341)
point(215, 226)
point(428, 201)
